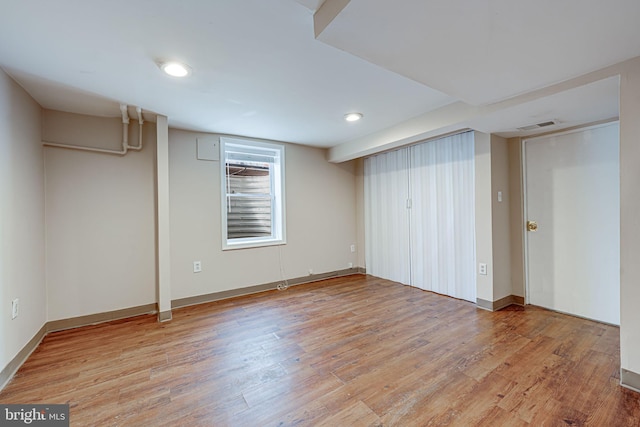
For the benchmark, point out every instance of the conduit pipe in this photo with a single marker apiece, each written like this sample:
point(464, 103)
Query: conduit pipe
point(125, 128)
point(140, 123)
point(125, 137)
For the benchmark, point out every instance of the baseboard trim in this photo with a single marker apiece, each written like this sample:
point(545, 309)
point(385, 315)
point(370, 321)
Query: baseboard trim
point(164, 316)
point(92, 319)
point(499, 304)
point(484, 304)
point(217, 296)
point(322, 276)
point(507, 301)
point(630, 380)
point(10, 370)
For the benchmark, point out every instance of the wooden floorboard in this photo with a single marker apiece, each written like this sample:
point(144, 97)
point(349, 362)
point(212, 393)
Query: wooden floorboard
point(350, 351)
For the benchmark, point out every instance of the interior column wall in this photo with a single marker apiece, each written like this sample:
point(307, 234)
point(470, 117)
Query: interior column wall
point(629, 224)
point(500, 217)
point(484, 222)
point(360, 245)
point(22, 242)
point(516, 217)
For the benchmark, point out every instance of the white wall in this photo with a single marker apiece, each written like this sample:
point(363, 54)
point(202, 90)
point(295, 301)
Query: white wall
point(100, 217)
point(22, 273)
point(321, 222)
point(484, 233)
point(360, 245)
point(516, 217)
point(163, 239)
point(500, 218)
point(629, 222)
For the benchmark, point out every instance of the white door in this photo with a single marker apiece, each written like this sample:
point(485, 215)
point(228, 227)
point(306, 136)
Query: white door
point(572, 189)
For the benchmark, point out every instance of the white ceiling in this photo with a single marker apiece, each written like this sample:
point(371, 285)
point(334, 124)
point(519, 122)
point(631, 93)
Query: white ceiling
point(258, 71)
point(484, 51)
point(586, 104)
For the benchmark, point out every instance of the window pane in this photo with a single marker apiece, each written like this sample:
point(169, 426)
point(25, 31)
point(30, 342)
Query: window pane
point(248, 217)
point(249, 209)
point(253, 193)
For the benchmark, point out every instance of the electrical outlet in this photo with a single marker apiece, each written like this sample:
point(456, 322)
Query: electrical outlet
point(14, 308)
point(197, 266)
point(350, 265)
point(310, 271)
point(353, 248)
point(482, 268)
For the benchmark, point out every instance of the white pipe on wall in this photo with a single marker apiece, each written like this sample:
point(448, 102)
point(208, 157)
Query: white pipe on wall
point(140, 123)
point(125, 137)
point(78, 147)
point(125, 128)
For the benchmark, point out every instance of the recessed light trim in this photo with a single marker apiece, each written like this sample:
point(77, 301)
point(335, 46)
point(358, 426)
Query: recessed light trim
point(352, 117)
point(175, 69)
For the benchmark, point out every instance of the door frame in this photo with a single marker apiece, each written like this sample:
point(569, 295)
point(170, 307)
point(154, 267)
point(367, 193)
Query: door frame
point(523, 183)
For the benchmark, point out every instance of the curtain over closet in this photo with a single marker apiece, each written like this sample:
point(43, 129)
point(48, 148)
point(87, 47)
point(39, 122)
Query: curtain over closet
point(386, 218)
point(420, 216)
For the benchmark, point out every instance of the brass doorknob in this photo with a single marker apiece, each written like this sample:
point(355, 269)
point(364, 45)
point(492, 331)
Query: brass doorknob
point(532, 226)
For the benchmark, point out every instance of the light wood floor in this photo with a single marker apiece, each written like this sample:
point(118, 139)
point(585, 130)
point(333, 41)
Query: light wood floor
point(353, 351)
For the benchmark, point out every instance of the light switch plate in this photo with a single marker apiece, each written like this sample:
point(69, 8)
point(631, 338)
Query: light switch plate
point(14, 308)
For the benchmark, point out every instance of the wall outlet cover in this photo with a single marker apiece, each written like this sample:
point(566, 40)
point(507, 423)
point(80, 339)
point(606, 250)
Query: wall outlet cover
point(482, 269)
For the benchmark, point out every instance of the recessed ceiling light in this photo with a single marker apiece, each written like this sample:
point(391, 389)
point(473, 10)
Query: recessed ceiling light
point(175, 69)
point(353, 117)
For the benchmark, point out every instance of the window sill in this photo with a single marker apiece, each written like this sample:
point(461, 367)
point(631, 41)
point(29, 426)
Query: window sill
point(254, 244)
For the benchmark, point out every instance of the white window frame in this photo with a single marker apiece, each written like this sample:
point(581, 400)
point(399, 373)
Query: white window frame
point(277, 174)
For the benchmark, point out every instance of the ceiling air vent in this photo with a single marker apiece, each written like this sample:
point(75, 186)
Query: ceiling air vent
point(538, 125)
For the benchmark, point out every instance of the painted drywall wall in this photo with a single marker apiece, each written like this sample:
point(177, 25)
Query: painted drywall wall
point(516, 216)
point(500, 218)
point(484, 223)
point(100, 217)
point(163, 292)
point(629, 223)
point(320, 212)
point(359, 165)
point(22, 241)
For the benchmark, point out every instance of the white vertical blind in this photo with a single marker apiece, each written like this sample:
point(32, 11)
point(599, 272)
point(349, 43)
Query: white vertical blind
point(386, 216)
point(443, 216)
point(431, 244)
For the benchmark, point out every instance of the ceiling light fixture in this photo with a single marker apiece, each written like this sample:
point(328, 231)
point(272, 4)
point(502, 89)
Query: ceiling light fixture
point(175, 69)
point(353, 117)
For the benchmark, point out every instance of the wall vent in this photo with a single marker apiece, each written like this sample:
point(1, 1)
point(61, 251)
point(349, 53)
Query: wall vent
point(538, 125)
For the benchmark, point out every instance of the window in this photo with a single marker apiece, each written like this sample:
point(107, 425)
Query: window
point(252, 177)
